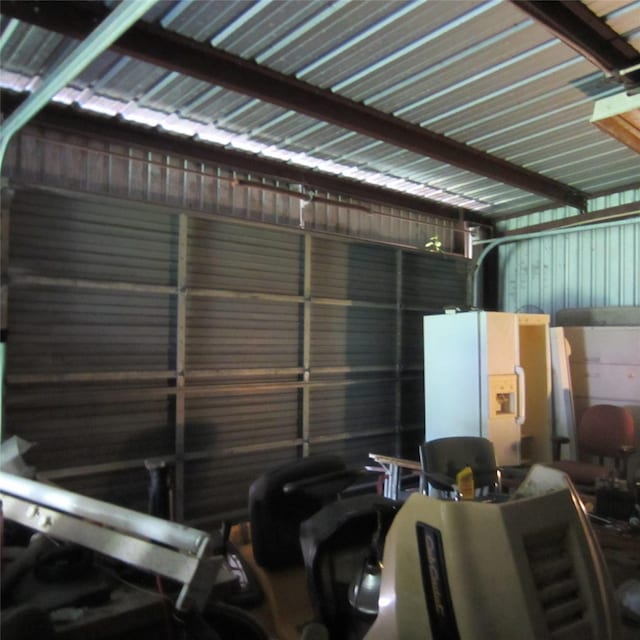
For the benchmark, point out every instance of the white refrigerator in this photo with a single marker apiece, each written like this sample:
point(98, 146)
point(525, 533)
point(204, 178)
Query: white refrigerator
point(488, 374)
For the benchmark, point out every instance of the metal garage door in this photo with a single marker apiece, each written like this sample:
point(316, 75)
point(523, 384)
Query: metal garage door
point(223, 347)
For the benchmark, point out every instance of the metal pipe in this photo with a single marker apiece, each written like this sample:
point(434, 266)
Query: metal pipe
point(491, 244)
point(9, 30)
point(101, 38)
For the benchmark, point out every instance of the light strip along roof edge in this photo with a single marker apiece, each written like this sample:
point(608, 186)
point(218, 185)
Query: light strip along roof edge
point(172, 51)
point(66, 119)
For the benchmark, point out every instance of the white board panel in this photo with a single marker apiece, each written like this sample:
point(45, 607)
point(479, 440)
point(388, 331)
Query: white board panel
point(613, 345)
point(607, 382)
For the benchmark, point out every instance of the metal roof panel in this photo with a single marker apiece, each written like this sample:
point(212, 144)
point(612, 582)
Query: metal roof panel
point(481, 72)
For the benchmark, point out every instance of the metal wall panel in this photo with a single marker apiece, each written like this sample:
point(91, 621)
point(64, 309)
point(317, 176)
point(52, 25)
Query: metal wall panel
point(220, 483)
point(412, 356)
point(356, 409)
point(144, 326)
point(431, 281)
point(351, 271)
point(229, 335)
point(233, 437)
point(412, 413)
point(600, 203)
point(352, 337)
point(244, 258)
point(69, 330)
point(378, 223)
point(91, 338)
point(50, 158)
point(588, 268)
point(89, 428)
point(249, 419)
point(128, 487)
point(74, 306)
point(57, 236)
point(605, 367)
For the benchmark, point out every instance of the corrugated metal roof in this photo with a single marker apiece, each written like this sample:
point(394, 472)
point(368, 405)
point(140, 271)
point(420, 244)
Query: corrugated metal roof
point(482, 73)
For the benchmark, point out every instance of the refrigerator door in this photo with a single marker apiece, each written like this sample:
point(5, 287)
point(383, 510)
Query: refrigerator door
point(472, 384)
point(453, 367)
point(502, 386)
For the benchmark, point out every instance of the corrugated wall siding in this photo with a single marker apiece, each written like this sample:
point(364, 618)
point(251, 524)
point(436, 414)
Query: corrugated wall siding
point(429, 283)
point(142, 331)
point(54, 158)
point(588, 268)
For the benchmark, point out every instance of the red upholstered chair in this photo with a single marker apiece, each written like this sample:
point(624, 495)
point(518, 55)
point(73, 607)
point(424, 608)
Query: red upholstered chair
point(606, 433)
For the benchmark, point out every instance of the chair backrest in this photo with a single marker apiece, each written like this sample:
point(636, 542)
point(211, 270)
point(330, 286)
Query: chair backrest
point(448, 456)
point(603, 429)
point(276, 513)
point(336, 541)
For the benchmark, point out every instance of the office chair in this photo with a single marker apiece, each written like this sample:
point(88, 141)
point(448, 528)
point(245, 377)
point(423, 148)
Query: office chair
point(605, 432)
point(443, 458)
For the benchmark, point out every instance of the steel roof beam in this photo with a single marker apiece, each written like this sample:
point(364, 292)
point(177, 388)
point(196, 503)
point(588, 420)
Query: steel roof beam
point(117, 130)
point(581, 29)
point(172, 51)
point(630, 210)
point(100, 38)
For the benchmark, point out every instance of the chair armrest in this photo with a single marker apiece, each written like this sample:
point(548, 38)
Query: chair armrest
point(556, 445)
point(440, 481)
point(325, 485)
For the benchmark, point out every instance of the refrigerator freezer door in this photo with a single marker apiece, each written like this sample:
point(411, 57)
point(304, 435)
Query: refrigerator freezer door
point(471, 386)
point(452, 370)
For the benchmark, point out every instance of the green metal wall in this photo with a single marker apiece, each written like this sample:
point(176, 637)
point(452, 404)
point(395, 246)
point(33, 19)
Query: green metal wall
point(588, 268)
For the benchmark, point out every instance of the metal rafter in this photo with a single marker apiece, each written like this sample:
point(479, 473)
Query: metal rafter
point(65, 119)
point(581, 29)
point(171, 51)
point(98, 40)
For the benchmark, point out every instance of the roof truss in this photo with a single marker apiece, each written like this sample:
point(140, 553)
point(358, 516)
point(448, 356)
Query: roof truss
point(62, 118)
point(162, 48)
point(577, 26)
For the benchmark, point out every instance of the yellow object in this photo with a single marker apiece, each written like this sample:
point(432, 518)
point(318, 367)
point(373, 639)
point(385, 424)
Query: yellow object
point(465, 483)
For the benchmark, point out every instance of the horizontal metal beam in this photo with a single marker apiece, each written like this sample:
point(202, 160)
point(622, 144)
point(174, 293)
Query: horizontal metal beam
point(98, 40)
point(577, 26)
point(90, 377)
point(492, 243)
point(613, 213)
point(82, 283)
point(174, 52)
point(112, 130)
point(594, 196)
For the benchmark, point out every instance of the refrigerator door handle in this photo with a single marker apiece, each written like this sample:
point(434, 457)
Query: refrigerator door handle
point(521, 415)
